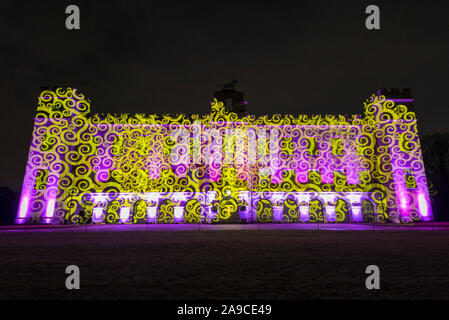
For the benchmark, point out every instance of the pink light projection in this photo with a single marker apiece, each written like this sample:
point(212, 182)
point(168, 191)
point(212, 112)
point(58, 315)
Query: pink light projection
point(23, 207)
point(50, 208)
point(357, 213)
point(304, 213)
point(422, 203)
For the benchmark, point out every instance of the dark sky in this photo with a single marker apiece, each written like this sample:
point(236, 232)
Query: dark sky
point(168, 56)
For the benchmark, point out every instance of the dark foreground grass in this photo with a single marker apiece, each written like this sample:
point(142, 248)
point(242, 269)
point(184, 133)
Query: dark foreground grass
point(225, 264)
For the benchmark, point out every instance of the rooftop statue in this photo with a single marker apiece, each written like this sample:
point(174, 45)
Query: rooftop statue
point(230, 85)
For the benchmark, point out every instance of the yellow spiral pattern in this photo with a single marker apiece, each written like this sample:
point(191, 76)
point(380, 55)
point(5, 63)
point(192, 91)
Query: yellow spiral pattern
point(90, 166)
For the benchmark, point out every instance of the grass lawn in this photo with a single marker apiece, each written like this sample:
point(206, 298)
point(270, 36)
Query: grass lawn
point(225, 264)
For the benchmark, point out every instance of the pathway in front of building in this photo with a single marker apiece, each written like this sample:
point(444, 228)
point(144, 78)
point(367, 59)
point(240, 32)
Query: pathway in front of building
point(225, 227)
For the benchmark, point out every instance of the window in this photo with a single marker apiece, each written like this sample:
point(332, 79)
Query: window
point(56, 107)
point(139, 178)
point(167, 175)
point(312, 146)
point(228, 148)
point(195, 147)
point(94, 143)
point(287, 146)
point(118, 145)
point(366, 145)
point(229, 177)
point(337, 147)
point(262, 144)
point(264, 177)
point(405, 143)
point(117, 175)
point(41, 179)
point(314, 176)
point(169, 143)
point(48, 141)
point(410, 182)
point(143, 145)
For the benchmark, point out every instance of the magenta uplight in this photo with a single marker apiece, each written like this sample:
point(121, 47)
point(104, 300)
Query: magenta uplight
point(23, 207)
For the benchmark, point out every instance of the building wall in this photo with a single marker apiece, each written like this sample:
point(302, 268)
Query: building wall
point(222, 167)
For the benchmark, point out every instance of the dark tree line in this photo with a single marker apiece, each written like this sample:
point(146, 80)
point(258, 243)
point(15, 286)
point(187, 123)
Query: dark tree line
point(9, 201)
point(435, 150)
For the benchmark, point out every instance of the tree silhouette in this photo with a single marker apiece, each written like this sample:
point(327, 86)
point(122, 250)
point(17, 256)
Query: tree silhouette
point(8, 205)
point(435, 150)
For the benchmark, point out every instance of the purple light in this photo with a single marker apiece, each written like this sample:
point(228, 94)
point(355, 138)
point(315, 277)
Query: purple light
point(258, 150)
point(23, 207)
point(356, 213)
point(304, 213)
point(178, 213)
point(98, 214)
point(50, 208)
point(422, 203)
point(330, 213)
point(277, 213)
point(125, 212)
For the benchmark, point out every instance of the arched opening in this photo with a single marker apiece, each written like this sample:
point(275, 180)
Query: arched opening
point(85, 214)
point(316, 211)
point(342, 211)
point(290, 211)
point(368, 214)
point(73, 212)
point(264, 211)
point(193, 211)
point(113, 212)
point(228, 211)
point(165, 211)
point(139, 212)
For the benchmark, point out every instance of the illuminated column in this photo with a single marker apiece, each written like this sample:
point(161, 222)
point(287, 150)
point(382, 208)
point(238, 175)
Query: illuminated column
point(356, 213)
point(209, 213)
point(277, 212)
point(304, 213)
point(330, 212)
point(23, 208)
point(329, 205)
point(125, 213)
point(210, 200)
point(178, 214)
point(152, 212)
point(244, 203)
point(49, 211)
point(97, 215)
point(303, 200)
point(355, 205)
point(243, 211)
point(252, 212)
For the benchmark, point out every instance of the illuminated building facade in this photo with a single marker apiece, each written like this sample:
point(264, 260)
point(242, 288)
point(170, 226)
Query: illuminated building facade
point(224, 167)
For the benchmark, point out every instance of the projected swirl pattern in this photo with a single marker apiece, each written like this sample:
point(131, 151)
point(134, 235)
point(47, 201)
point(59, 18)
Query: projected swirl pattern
point(222, 167)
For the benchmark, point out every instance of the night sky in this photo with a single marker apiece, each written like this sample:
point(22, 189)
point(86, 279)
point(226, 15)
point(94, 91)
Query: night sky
point(169, 56)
